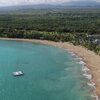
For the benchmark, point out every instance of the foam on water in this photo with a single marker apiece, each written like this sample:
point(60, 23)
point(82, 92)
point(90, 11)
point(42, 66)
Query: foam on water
point(86, 74)
point(94, 95)
point(82, 63)
point(89, 76)
point(92, 84)
point(85, 69)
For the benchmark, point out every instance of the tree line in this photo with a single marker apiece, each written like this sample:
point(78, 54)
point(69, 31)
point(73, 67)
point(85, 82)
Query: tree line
point(66, 25)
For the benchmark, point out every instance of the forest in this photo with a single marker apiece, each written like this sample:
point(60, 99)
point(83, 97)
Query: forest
point(78, 26)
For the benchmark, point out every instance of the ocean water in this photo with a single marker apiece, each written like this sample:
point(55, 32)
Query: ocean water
point(50, 73)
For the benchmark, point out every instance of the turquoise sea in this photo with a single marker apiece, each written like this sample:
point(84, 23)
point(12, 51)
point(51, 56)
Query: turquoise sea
point(50, 73)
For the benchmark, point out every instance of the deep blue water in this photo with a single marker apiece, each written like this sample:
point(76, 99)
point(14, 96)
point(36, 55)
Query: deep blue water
point(50, 73)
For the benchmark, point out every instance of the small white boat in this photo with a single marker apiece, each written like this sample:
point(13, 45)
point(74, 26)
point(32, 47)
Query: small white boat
point(18, 73)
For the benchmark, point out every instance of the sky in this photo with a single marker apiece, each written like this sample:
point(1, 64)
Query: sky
point(25, 2)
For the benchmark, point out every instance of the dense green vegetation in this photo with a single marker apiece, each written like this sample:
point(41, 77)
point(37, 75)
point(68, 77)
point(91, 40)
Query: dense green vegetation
point(73, 25)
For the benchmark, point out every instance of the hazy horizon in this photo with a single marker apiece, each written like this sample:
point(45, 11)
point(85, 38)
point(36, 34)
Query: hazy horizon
point(4, 3)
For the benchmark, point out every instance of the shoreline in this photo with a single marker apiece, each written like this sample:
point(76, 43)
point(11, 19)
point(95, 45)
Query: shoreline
point(90, 58)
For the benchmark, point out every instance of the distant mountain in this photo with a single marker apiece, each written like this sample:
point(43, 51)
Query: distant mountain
point(22, 7)
point(74, 4)
point(81, 4)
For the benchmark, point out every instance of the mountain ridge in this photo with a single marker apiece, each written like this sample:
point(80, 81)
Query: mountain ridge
point(74, 4)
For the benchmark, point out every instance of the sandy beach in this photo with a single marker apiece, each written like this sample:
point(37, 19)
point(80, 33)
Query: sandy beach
point(92, 60)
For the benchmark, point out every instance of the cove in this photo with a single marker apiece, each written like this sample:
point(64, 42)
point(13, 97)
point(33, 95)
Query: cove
point(50, 73)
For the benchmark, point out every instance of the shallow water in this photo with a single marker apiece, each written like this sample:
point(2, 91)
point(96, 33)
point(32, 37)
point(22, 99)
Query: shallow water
point(50, 73)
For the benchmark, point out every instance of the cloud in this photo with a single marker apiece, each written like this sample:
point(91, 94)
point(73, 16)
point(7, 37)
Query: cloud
point(23, 2)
